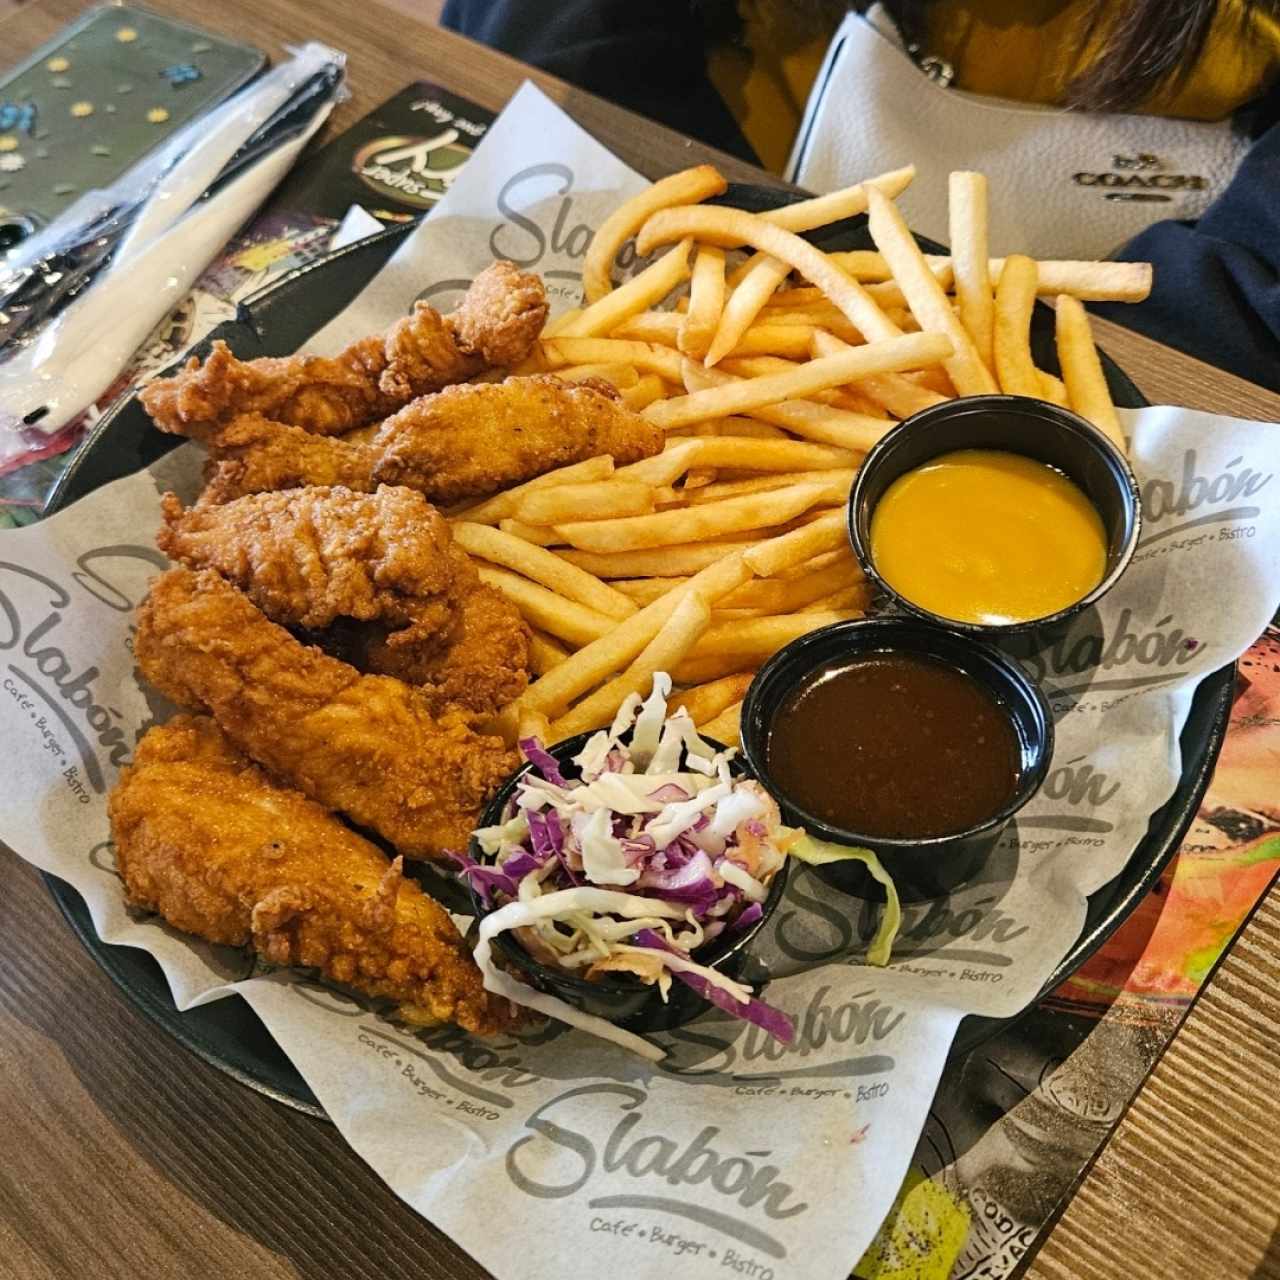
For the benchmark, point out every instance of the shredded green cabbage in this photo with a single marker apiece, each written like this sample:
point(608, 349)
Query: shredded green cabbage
point(818, 853)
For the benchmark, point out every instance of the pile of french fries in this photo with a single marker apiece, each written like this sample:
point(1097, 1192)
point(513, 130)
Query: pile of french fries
point(773, 367)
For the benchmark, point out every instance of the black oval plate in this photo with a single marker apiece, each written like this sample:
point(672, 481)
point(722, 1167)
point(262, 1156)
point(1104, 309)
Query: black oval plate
point(277, 321)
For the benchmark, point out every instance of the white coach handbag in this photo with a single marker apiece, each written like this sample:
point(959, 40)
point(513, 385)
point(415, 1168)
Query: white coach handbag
point(1063, 183)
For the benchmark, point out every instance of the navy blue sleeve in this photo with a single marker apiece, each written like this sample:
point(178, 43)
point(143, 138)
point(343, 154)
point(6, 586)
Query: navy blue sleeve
point(654, 63)
point(1216, 293)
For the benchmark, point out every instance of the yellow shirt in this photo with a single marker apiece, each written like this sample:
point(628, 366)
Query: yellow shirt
point(1026, 50)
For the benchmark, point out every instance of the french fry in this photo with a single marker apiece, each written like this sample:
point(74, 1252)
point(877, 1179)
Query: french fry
point(646, 390)
point(504, 504)
point(663, 468)
point(899, 395)
point(604, 500)
point(558, 325)
point(642, 355)
point(1088, 281)
point(758, 638)
point(742, 427)
point(647, 590)
point(545, 652)
point(733, 226)
point(638, 294)
point(685, 187)
point(824, 317)
point(823, 560)
point(747, 454)
point(704, 702)
point(552, 693)
point(839, 481)
point(692, 524)
point(820, 211)
point(768, 559)
point(744, 304)
point(726, 727)
point(910, 351)
point(902, 389)
point(823, 424)
point(974, 292)
point(753, 484)
point(1086, 384)
point(924, 294)
point(619, 375)
point(694, 671)
point(533, 724)
point(706, 301)
point(661, 327)
point(548, 611)
point(781, 596)
point(543, 567)
point(856, 597)
point(1015, 297)
point(746, 367)
point(1053, 389)
point(687, 622)
point(664, 561)
point(789, 340)
point(934, 380)
point(532, 533)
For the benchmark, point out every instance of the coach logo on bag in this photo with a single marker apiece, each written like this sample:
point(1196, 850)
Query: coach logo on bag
point(1135, 181)
point(1143, 160)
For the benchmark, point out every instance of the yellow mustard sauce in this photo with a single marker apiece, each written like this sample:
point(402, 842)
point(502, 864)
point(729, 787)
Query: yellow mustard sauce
point(984, 536)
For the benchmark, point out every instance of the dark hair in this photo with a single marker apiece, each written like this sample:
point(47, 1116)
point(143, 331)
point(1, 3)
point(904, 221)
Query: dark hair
point(1149, 45)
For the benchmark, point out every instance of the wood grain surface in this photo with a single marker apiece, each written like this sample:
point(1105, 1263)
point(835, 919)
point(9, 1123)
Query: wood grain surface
point(125, 1156)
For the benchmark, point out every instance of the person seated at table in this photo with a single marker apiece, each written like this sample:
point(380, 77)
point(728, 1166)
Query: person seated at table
point(736, 74)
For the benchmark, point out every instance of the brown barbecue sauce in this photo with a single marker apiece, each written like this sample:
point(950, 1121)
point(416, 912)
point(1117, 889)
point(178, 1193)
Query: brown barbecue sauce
point(896, 745)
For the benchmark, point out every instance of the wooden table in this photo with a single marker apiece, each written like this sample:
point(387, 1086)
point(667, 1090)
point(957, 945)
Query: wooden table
point(124, 1156)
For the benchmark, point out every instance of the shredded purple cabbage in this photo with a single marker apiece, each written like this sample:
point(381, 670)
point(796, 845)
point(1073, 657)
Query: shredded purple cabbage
point(486, 880)
point(520, 864)
point(691, 883)
point(748, 916)
point(769, 1019)
point(542, 760)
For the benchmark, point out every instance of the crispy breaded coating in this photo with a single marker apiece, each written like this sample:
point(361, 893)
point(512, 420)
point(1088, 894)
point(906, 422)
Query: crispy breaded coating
point(484, 665)
point(222, 850)
point(500, 317)
point(474, 440)
point(324, 395)
point(253, 454)
point(368, 746)
point(309, 556)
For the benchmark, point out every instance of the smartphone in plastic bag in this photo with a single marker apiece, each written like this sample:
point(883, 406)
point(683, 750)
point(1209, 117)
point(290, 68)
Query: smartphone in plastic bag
point(96, 99)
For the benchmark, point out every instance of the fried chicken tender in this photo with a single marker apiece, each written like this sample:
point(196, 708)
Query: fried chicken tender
point(500, 316)
point(309, 556)
point(222, 850)
point(253, 454)
point(368, 746)
point(484, 666)
point(464, 442)
point(497, 322)
point(474, 440)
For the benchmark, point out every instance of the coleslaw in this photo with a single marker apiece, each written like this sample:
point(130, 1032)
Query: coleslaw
point(655, 850)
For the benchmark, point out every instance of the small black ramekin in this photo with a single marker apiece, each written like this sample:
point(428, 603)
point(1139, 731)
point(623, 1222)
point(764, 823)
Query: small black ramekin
point(1014, 424)
point(922, 867)
point(621, 999)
